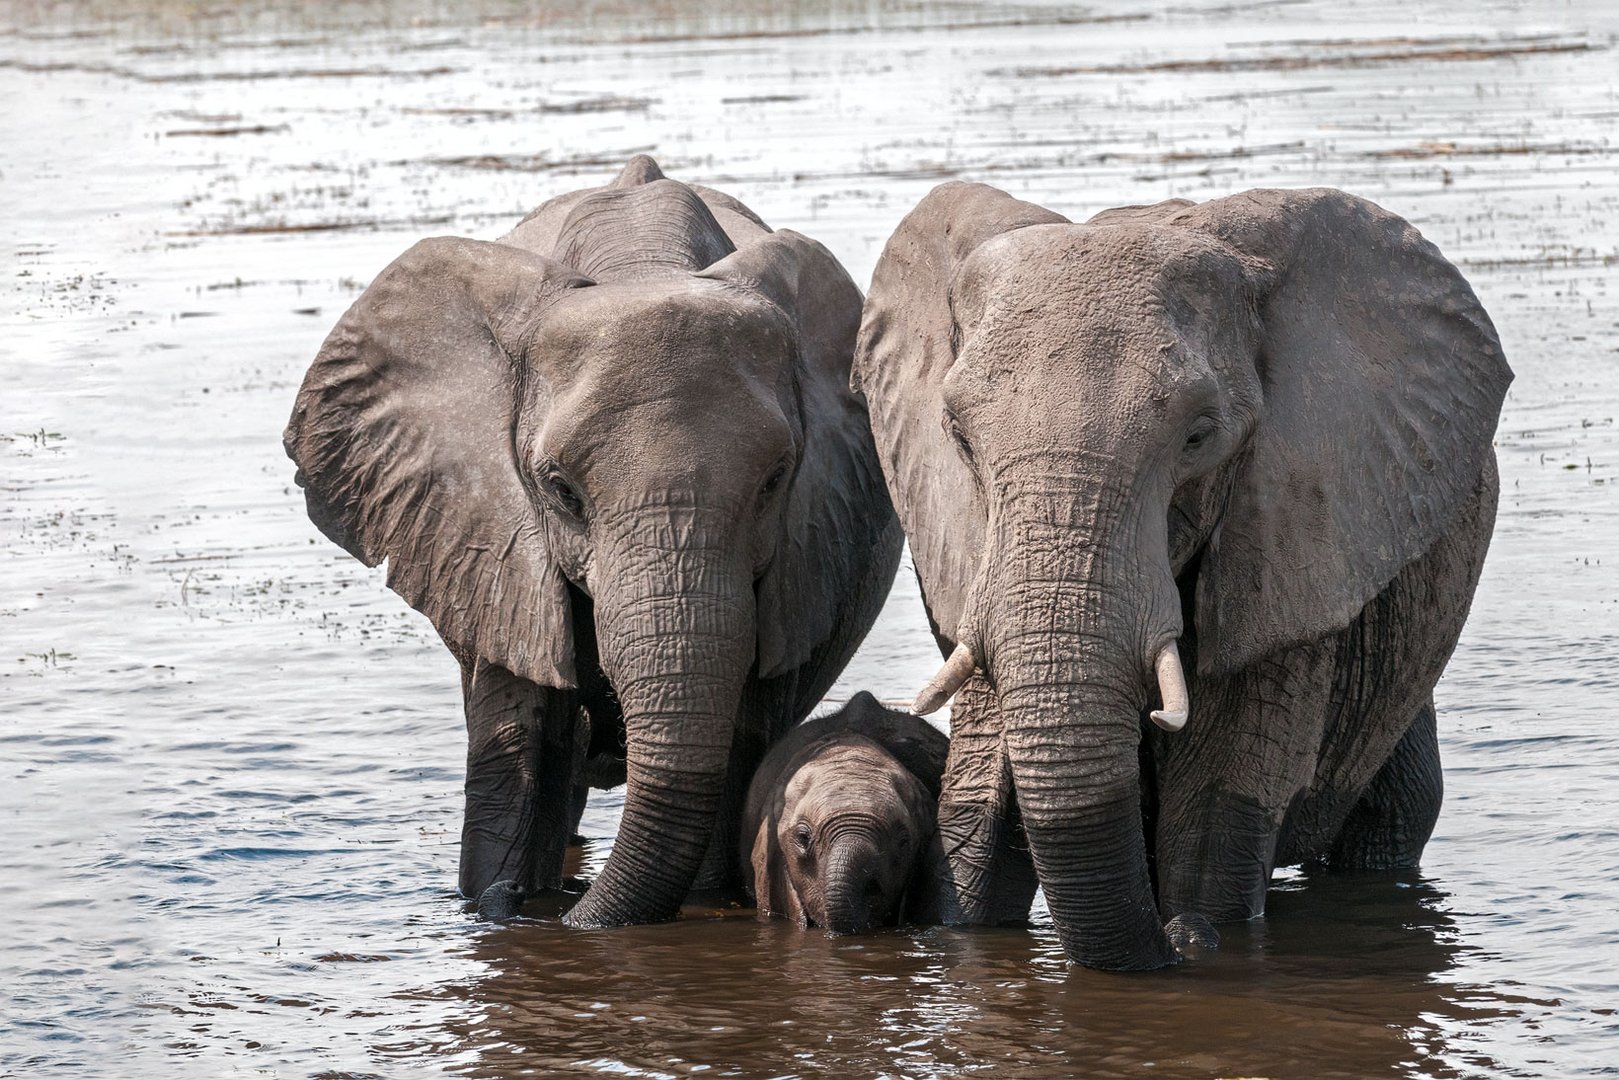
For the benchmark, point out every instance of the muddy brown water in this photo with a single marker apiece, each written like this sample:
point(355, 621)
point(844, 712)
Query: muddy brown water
point(230, 760)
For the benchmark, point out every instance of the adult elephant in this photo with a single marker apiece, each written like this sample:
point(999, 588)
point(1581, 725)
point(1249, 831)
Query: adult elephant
point(615, 459)
point(1251, 437)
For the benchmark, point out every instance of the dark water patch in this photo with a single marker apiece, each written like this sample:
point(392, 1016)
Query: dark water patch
point(46, 739)
point(605, 103)
point(223, 76)
point(248, 795)
point(290, 228)
point(353, 958)
point(763, 99)
point(535, 163)
point(1438, 149)
point(1293, 62)
point(260, 748)
point(257, 853)
point(227, 132)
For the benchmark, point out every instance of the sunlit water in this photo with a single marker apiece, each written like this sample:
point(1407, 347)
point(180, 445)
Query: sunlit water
point(230, 759)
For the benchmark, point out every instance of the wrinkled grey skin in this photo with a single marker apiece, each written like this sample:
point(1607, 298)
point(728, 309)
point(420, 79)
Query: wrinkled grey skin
point(1260, 426)
point(839, 817)
point(615, 459)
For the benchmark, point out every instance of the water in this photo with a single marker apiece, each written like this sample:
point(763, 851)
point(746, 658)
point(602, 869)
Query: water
point(230, 760)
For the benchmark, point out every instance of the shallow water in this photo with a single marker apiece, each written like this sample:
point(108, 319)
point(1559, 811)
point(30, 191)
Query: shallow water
point(230, 759)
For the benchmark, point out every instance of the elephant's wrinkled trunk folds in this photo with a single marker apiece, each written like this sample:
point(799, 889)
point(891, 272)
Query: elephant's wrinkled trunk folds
point(677, 641)
point(853, 895)
point(1081, 602)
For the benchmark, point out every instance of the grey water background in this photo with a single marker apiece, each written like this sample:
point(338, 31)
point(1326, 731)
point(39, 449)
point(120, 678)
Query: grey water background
point(230, 759)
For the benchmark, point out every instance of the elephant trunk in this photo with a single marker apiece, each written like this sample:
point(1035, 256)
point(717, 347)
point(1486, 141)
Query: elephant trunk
point(1084, 609)
point(1072, 746)
point(677, 646)
point(853, 884)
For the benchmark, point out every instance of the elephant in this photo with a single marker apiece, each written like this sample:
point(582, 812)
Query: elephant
point(839, 817)
point(1224, 466)
point(615, 459)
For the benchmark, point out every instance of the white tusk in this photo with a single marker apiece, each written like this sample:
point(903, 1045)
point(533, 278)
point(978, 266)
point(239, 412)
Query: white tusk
point(1172, 688)
point(957, 670)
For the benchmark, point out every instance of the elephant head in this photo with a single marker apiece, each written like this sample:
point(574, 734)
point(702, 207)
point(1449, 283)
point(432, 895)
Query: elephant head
point(852, 825)
point(1226, 425)
point(619, 402)
point(840, 815)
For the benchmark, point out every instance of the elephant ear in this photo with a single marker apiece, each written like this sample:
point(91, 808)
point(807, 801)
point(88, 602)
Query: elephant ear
point(1382, 381)
point(839, 534)
point(773, 889)
point(402, 433)
point(906, 347)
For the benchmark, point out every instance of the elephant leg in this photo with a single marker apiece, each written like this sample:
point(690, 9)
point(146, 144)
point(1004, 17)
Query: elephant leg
point(1277, 758)
point(521, 759)
point(1226, 782)
point(1391, 823)
point(763, 716)
point(979, 872)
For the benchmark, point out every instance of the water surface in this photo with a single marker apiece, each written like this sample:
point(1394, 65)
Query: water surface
point(230, 759)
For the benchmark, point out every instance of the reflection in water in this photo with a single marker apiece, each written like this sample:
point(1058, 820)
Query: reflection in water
point(1346, 977)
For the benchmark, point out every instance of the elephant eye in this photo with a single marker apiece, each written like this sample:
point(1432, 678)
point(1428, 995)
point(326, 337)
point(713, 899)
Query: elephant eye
point(952, 428)
point(1200, 434)
point(562, 493)
point(801, 838)
point(772, 483)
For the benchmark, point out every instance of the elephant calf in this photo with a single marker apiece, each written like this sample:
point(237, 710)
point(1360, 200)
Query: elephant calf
point(839, 816)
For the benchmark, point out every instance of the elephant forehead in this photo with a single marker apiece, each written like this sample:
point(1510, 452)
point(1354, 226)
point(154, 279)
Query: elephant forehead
point(653, 333)
point(856, 776)
point(1093, 305)
point(1078, 273)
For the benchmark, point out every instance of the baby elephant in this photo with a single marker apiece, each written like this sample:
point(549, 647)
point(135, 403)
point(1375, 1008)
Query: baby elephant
point(840, 816)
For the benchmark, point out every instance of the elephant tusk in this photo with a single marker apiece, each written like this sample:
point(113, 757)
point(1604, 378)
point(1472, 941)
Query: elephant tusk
point(1172, 688)
point(957, 670)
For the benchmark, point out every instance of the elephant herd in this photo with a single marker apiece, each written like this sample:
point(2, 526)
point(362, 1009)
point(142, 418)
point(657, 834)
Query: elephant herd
point(1197, 496)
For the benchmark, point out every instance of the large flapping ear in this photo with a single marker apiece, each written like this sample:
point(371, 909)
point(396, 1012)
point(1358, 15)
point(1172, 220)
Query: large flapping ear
point(402, 433)
point(840, 539)
point(1382, 379)
point(906, 347)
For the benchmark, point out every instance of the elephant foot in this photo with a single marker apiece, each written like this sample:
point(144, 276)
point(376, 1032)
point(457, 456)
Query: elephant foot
point(1192, 934)
point(501, 901)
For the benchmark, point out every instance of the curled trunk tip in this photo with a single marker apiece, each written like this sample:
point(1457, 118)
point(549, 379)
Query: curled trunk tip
point(1172, 688)
point(943, 686)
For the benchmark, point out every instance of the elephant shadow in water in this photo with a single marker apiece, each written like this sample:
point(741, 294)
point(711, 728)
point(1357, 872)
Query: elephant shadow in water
point(615, 459)
point(1356, 976)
